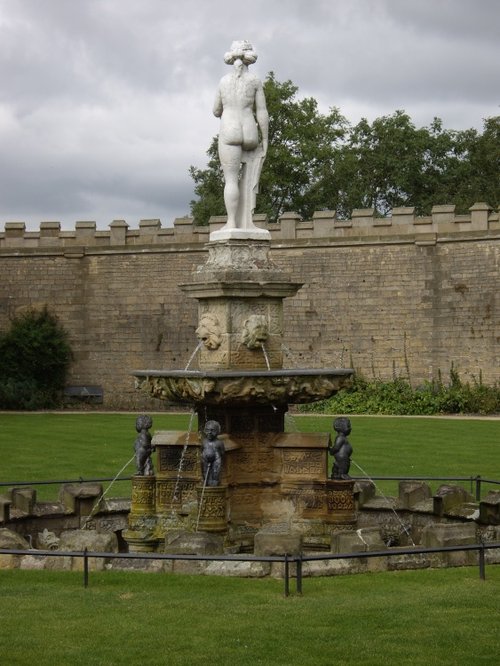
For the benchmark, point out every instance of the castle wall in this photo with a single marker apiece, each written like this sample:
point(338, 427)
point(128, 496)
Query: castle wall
point(388, 295)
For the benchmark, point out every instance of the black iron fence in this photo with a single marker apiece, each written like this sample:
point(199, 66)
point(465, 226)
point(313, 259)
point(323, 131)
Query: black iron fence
point(476, 481)
point(286, 560)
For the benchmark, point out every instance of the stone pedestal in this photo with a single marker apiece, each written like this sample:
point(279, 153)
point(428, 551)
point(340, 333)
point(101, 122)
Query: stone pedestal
point(240, 296)
point(143, 495)
point(178, 469)
point(212, 509)
point(341, 509)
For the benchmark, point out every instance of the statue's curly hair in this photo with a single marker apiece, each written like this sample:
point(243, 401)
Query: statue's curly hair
point(143, 422)
point(213, 423)
point(241, 49)
point(342, 424)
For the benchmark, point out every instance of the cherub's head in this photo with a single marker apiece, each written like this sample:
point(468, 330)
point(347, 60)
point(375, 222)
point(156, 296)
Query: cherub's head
point(212, 429)
point(342, 425)
point(143, 422)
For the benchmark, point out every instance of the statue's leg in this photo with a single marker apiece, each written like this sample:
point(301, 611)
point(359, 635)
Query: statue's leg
point(230, 157)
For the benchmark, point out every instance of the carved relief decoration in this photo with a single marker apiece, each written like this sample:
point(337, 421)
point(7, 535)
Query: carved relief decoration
point(236, 388)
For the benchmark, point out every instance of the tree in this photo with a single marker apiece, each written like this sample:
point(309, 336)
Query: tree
point(302, 144)
point(319, 161)
point(34, 358)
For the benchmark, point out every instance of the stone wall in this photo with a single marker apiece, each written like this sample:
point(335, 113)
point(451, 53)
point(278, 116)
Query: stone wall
point(387, 295)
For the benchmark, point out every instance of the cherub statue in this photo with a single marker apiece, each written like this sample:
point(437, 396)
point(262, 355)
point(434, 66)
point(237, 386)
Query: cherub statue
point(341, 449)
point(143, 447)
point(212, 454)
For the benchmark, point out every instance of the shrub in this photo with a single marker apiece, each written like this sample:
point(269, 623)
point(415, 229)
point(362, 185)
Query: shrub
point(398, 397)
point(34, 359)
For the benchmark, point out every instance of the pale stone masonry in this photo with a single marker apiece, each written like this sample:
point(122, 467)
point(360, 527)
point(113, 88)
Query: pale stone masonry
point(387, 295)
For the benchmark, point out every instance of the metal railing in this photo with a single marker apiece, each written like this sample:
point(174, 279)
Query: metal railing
point(476, 481)
point(287, 560)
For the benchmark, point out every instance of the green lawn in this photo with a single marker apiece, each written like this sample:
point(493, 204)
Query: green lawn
point(64, 446)
point(413, 446)
point(423, 618)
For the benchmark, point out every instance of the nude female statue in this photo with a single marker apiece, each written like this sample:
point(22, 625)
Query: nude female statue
point(241, 106)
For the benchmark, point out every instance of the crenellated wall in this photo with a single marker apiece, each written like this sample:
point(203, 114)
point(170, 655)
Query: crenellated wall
point(389, 295)
point(324, 224)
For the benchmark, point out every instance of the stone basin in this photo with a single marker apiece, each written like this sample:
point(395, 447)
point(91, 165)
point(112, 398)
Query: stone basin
point(241, 387)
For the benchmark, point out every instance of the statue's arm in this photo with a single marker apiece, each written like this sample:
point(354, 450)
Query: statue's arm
point(262, 115)
point(218, 105)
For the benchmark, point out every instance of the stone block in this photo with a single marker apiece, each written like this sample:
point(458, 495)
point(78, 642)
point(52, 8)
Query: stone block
point(24, 499)
point(11, 540)
point(451, 534)
point(413, 492)
point(193, 543)
point(339, 567)
point(31, 562)
point(364, 490)
point(241, 569)
point(270, 542)
point(80, 498)
point(404, 562)
point(347, 542)
point(189, 567)
point(5, 509)
point(449, 497)
point(79, 540)
point(489, 509)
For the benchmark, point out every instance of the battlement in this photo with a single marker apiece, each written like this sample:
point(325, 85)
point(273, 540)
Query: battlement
point(363, 224)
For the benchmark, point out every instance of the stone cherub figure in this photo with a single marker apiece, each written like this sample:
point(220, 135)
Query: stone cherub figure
point(341, 449)
point(212, 454)
point(143, 447)
point(241, 105)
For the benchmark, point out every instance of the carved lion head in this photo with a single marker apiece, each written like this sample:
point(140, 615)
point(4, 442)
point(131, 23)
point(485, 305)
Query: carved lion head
point(209, 331)
point(255, 331)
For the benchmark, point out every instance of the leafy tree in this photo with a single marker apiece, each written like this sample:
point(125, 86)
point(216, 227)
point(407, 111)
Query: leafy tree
point(302, 145)
point(319, 161)
point(34, 358)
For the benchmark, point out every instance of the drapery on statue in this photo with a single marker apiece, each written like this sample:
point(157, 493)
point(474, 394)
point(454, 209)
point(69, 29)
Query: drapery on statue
point(341, 449)
point(241, 106)
point(212, 454)
point(143, 447)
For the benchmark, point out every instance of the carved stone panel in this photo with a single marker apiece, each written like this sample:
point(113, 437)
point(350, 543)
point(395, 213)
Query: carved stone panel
point(303, 464)
point(143, 495)
point(172, 459)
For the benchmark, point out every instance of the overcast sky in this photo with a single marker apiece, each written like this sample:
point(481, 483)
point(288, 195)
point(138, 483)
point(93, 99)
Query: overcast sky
point(104, 104)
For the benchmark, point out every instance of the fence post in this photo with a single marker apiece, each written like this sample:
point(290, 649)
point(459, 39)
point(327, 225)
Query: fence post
point(85, 569)
point(299, 574)
point(287, 579)
point(478, 488)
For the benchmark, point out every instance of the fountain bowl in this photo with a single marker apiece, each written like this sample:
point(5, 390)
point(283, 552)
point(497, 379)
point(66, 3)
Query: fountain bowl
point(242, 387)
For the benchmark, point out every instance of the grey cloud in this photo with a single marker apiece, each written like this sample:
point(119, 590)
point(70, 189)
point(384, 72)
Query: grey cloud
point(104, 104)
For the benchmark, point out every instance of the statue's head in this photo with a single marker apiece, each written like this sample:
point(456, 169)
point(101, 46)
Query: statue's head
point(209, 331)
point(143, 422)
point(342, 425)
point(240, 50)
point(255, 331)
point(212, 428)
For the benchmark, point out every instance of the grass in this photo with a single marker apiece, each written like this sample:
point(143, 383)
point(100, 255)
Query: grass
point(421, 617)
point(44, 446)
point(414, 446)
point(411, 617)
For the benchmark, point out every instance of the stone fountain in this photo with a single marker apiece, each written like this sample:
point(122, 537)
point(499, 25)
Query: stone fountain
point(271, 480)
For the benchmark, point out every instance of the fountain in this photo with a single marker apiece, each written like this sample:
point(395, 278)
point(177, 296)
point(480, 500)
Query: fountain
point(269, 477)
